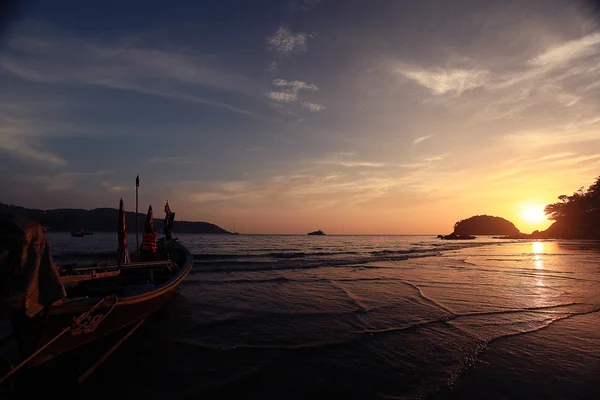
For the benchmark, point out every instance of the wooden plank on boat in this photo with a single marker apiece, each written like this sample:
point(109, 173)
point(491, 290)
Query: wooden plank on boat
point(146, 264)
point(149, 264)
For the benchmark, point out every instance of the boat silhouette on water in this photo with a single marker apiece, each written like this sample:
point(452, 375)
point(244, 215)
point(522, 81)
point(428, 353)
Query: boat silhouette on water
point(316, 233)
point(55, 310)
point(80, 233)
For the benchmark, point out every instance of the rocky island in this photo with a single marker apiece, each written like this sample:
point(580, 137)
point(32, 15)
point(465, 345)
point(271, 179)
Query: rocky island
point(481, 225)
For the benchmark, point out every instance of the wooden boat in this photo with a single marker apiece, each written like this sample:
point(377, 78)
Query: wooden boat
point(119, 296)
point(102, 299)
point(317, 233)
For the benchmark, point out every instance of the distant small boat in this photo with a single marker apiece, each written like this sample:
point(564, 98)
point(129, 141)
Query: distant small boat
point(317, 233)
point(80, 233)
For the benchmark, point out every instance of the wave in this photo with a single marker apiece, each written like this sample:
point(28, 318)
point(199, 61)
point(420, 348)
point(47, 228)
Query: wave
point(452, 317)
point(233, 265)
point(276, 255)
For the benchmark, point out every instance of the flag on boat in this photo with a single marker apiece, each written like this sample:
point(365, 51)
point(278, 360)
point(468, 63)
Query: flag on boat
point(149, 236)
point(169, 217)
point(149, 225)
point(122, 253)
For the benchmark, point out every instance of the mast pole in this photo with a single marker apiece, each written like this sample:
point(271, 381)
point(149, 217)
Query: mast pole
point(137, 240)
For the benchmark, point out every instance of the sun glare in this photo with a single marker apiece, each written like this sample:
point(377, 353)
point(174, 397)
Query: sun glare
point(533, 213)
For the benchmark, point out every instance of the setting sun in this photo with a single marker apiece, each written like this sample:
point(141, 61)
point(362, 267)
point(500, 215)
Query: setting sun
point(533, 213)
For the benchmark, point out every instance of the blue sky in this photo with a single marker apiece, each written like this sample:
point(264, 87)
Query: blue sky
point(288, 116)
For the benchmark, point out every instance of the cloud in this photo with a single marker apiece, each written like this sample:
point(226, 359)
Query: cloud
point(284, 42)
point(283, 97)
point(424, 163)
point(574, 160)
point(436, 158)
point(313, 106)
point(64, 180)
point(422, 139)
point(441, 81)
point(295, 86)
point(552, 96)
point(29, 151)
point(345, 159)
point(556, 155)
point(567, 52)
point(22, 136)
point(114, 188)
point(290, 94)
point(351, 164)
point(39, 53)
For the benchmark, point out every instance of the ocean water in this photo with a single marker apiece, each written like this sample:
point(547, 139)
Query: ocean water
point(363, 317)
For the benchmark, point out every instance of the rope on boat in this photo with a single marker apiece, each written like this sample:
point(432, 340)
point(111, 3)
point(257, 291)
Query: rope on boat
point(76, 322)
point(93, 324)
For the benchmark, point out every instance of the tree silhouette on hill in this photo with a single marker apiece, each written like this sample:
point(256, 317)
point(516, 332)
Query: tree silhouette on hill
point(576, 216)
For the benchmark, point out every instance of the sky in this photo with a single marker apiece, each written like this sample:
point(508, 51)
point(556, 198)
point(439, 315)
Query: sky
point(355, 117)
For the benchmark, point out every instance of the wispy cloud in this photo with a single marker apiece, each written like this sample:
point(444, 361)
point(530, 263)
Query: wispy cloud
point(295, 86)
point(290, 94)
point(422, 138)
point(563, 54)
point(551, 94)
point(64, 180)
point(313, 106)
point(351, 164)
point(347, 159)
point(285, 42)
point(441, 81)
point(283, 97)
point(554, 156)
point(23, 136)
point(29, 151)
point(40, 53)
point(114, 188)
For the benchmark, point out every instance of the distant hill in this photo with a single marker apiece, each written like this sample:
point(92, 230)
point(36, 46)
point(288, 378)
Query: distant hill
point(102, 220)
point(485, 225)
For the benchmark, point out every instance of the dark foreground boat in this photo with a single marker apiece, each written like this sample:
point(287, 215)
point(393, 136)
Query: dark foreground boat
point(54, 310)
point(317, 233)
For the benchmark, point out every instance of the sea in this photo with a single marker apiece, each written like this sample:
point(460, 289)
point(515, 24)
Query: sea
point(362, 317)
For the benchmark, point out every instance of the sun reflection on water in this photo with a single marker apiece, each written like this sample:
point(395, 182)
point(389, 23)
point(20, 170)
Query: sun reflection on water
point(538, 250)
